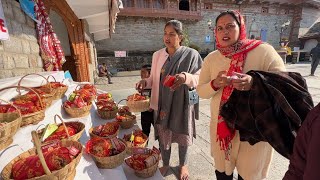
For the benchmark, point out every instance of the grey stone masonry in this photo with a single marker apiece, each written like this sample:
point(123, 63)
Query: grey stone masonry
point(145, 34)
point(21, 53)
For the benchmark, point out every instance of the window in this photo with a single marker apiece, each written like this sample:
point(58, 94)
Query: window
point(142, 3)
point(207, 6)
point(193, 6)
point(127, 3)
point(184, 5)
point(264, 10)
point(158, 4)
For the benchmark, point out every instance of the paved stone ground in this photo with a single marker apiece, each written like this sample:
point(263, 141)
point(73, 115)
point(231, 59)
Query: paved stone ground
point(201, 165)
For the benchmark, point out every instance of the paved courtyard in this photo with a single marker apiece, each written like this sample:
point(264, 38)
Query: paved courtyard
point(201, 165)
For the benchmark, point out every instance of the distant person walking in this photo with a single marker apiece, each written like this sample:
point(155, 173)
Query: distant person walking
point(315, 54)
point(103, 71)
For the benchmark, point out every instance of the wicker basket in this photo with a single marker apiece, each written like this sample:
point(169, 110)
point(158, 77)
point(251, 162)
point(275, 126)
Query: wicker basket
point(13, 121)
point(78, 112)
point(33, 118)
point(79, 86)
point(138, 106)
point(148, 172)
point(107, 114)
point(76, 137)
point(50, 93)
point(104, 137)
point(110, 162)
point(67, 172)
point(127, 124)
point(60, 91)
point(130, 145)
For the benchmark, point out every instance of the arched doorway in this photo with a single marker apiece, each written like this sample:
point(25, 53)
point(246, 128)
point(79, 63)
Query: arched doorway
point(79, 55)
point(61, 30)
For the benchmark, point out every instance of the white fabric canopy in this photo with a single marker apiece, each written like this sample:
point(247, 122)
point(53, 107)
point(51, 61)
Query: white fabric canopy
point(100, 15)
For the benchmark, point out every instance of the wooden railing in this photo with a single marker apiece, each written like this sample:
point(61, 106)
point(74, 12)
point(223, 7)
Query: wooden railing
point(164, 13)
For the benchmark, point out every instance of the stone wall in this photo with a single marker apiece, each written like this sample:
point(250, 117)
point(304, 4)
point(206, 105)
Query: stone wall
point(131, 63)
point(145, 34)
point(20, 54)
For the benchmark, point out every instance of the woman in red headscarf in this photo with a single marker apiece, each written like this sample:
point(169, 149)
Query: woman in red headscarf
point(222, 72)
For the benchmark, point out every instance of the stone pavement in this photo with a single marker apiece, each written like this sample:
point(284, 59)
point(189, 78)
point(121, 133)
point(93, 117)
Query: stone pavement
point(201, 165)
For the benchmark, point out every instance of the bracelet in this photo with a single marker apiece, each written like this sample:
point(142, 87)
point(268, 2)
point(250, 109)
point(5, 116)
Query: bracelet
point(213, 87)
point(185, 77)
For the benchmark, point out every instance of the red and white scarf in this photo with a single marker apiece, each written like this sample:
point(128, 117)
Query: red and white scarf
point(50, 47)
point(238, 53)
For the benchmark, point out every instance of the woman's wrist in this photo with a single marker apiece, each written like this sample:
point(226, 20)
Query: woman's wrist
point(185, 77)
point(144, 82)
point(215, 88)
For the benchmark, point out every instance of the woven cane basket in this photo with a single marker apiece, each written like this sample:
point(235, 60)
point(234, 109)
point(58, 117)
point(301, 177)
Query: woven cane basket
point(104, 137)
point(130, 145)
point(79, 86)
point(80, 128)
point(138, 106)
point(128, 123)
point(107, 114)
point(8, 130)
point(66, 173)
point(78, 112)
point(148, 172)
point(50, 93)
point(60, 91)
point(32, 118)
point(110, 162)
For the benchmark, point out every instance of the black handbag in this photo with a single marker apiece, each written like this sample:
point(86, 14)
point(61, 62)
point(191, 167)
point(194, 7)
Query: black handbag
point(193, 97)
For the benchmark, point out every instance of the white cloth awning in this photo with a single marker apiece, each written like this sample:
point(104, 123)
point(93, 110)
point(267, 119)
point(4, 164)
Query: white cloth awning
point(100, 15)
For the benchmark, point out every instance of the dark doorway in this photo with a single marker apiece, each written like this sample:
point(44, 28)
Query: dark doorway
point(70, 66)
point(184, 5)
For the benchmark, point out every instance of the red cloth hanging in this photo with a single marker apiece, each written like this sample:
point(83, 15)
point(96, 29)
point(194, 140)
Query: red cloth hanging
point(50, 47)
